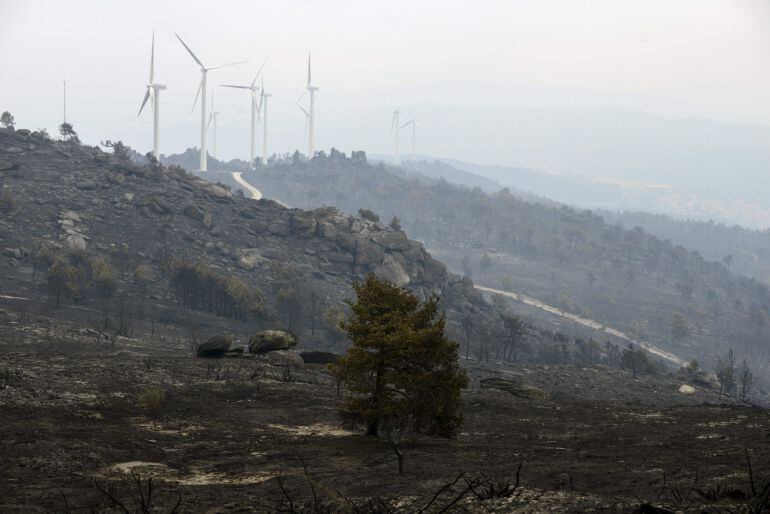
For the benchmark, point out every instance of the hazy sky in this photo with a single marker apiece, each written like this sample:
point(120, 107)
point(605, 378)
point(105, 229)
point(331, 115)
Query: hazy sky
point(673, 57)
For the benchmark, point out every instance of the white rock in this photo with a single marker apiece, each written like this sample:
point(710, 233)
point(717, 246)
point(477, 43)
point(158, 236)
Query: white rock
point(70, 215)
point(687, 389)
point(392, 271)
point(75, 242)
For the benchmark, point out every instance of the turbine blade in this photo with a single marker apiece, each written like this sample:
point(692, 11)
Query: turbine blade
point(237, 87)
point(146, 97)
point(226, 65)
point(200, 86)
point(308, 69)
point(393, 123)
point(188, 49)
point(300, 97)
point(211, 116)
point(405, 124)
point(258, 72)
point(152, 59)
point(303, 110)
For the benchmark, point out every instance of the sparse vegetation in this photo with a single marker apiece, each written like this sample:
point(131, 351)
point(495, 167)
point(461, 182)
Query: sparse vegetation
point(198, 287)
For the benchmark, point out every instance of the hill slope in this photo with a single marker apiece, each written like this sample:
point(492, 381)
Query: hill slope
point(563, 256)
point(136, 245)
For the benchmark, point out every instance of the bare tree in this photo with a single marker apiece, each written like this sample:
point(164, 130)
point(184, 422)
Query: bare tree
point(725, 371)
point(746, 380)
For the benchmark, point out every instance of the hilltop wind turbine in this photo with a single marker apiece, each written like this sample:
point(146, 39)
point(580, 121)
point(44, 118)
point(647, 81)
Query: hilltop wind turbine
point(254, 110)
point(202, 89)
point(213, 116)
point(309, 114)
point(153, 95)
point(414, 124)
point(394, 125)
point(263, 111)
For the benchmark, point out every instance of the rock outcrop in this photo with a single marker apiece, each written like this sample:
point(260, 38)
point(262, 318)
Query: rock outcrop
point(317, 357)
point(215, 346)
point(518, 389)
point(283, 358)
point(271, 340)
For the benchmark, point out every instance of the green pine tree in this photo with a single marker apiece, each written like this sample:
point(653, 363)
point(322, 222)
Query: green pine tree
point(402, 371)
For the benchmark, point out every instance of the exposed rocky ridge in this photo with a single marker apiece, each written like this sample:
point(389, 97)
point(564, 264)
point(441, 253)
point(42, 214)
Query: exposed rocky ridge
point(68, 197)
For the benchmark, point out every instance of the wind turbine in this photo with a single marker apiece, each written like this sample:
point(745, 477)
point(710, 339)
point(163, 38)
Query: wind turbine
point(414, 124)
point(213, 116)
point(309, 114)
point(202, 88)
point(64, 96)
point(394, 124)
point(263, 111)
point(254, 110)
point(153, 94)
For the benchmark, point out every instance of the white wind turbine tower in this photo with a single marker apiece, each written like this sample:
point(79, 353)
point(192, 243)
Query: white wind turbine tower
point(254, 110)
point(414, 124)
point(310, 115)
point(202, 93)
point(263, 112)
point(64, 96)
point(153, 95)
point(394, 125)
point(213, 116)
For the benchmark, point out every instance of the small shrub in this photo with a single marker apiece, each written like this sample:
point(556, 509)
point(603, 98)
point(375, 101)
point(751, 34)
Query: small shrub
point(119, 150)
point(142, 277)
point(63, 279)
point(151, 399)
point(105, 276)
point(368, 215)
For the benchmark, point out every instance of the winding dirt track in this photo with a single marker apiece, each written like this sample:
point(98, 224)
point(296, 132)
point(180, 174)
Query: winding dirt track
point(528, 300)
point(256, 194)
